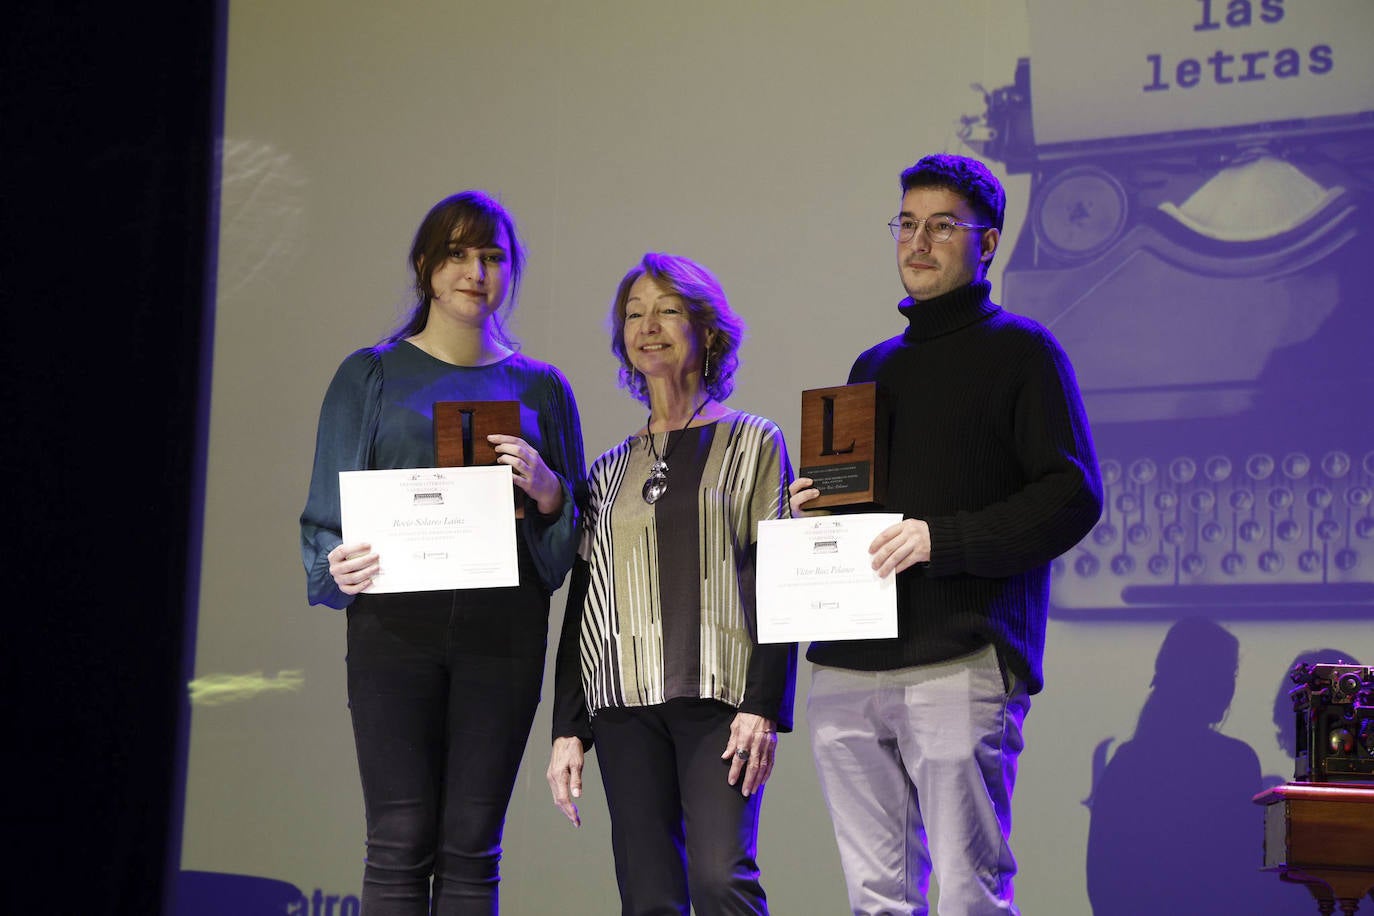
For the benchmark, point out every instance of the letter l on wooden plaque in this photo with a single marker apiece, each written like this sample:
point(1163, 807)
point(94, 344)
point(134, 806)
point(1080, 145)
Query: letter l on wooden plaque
point(844, 445)
point(460, 434)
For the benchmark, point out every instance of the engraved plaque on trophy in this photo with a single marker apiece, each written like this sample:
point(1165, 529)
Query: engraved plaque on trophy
point(844, 445)
point(460, 434)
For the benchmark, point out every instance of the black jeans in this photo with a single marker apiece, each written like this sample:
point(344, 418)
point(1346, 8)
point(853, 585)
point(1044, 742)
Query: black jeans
point(440, 728)
point(682, 836)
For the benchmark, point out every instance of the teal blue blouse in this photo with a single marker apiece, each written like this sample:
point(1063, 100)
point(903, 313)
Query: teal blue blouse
point(378, 414)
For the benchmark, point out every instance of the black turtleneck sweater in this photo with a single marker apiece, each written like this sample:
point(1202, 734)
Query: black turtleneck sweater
point(990, 446)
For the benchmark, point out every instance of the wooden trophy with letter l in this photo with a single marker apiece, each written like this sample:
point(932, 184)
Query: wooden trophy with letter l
point(844, 445)
point(460, 435)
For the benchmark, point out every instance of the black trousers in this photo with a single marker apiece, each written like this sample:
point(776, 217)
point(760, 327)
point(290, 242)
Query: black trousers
point(440, 728)
point(682, 836)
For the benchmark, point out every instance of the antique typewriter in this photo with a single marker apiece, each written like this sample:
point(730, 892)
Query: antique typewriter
point(1207, 530)
point(1206, 269)
point(1334, 706)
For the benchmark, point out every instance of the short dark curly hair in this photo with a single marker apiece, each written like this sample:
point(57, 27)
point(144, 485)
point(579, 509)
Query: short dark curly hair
point(707, 310)
point(967, 177)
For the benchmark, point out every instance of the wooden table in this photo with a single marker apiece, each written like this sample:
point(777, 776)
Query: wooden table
point(1322, 835)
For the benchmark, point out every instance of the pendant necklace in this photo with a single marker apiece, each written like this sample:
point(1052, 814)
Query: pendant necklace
point(657, 484)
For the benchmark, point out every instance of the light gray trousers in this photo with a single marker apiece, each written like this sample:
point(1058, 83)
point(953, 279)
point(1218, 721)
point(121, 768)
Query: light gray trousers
point(917, 767)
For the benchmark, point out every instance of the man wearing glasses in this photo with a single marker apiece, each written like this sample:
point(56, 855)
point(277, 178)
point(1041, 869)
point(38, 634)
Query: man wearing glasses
point(991, 464)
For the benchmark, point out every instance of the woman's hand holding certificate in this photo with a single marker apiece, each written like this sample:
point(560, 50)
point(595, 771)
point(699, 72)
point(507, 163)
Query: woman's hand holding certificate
point(432, 528)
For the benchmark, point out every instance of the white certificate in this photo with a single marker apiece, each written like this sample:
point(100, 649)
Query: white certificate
point(816, 579)
point(433, 528)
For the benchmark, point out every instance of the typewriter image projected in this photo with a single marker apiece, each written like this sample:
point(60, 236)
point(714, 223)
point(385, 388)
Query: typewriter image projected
point(1199, 239)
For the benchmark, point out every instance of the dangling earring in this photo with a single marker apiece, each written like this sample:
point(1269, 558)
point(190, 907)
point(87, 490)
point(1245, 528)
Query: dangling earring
point(706, 372)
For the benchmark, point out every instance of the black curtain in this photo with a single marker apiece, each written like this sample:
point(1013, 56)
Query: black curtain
point(110, 119)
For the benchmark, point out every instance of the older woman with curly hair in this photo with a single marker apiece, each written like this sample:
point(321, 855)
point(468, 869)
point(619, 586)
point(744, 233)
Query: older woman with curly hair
point(658, 665)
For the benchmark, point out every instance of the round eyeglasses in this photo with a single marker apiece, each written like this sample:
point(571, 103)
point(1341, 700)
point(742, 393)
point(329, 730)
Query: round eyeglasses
point(940, 228)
